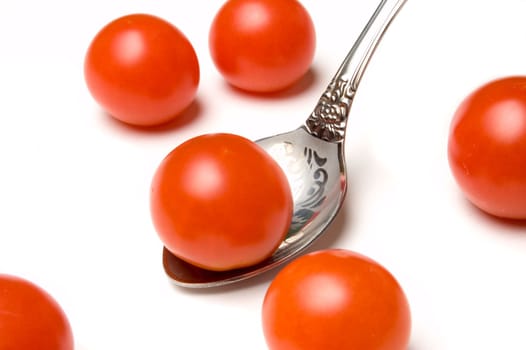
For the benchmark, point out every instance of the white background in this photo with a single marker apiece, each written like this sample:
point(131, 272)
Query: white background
point(74, 184)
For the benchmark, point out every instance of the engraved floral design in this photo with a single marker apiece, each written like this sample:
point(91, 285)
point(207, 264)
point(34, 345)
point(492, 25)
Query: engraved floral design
point(306, 209)
point(329, 118)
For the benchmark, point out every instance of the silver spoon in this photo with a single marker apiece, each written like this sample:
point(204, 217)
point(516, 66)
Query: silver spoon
point(312, 157)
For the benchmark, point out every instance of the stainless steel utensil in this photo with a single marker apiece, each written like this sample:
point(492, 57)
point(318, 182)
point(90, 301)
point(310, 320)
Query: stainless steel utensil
point(312, 157)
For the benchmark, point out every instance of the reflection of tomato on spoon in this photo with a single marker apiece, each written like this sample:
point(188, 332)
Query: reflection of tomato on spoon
point(30, 318)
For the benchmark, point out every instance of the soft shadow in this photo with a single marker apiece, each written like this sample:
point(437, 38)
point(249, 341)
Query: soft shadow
point(297, 88)
point(187, 116)
point(515, 225)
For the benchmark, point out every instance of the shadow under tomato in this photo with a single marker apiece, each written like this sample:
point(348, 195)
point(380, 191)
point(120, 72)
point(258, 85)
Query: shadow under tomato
point(297, 88)
point(515, 225)
point(187, 116)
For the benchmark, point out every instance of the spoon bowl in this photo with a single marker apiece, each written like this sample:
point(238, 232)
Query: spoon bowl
point(313, 159)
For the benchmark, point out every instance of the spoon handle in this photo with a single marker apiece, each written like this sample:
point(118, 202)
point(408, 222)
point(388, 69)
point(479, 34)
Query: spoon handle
point(328, 120)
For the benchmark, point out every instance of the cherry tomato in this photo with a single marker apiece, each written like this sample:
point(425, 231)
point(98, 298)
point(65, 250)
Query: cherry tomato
point(335, 299)
point(30, 318)
point(142, 70)
point(262, 45)
point(220, 202)
point(487, 147)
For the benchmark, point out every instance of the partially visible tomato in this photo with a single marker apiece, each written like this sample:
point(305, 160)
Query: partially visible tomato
point(262, 45)
point(30, 318)
point(335, 299)
point(220, 202)
point(142, 70)
point(487, 147)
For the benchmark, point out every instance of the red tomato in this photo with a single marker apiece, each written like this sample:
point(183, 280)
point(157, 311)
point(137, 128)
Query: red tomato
point(335, 299)
point(487, 147)
point(220, 202)
point(262, 45)
point(30, 318)
point(142, 70)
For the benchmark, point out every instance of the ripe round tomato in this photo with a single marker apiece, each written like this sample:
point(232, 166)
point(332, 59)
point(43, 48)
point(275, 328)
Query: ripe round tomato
point(142, 70)
point(30, 318)
point(220, 202)
point(262, 45)
point(487, 147)
point(335, 299)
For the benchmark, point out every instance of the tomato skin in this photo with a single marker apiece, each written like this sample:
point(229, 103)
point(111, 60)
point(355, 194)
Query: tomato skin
point(335, 299)
point(262, 45)
point(487, 147)
point(30, 318)
point(220, 202)
point(142, 70)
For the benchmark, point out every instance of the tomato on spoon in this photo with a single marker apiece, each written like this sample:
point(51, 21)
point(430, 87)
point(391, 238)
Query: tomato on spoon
point(220, 202)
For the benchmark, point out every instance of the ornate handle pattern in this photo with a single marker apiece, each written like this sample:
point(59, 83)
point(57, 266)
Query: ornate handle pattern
point(328, 121)
point(307, 207)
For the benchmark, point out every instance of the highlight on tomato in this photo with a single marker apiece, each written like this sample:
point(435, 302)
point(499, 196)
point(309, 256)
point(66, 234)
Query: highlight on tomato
point(220, 202)
point(262, 45)
point(487, 147)
point(335, 299)
point(30, 318)
point(142, 70)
